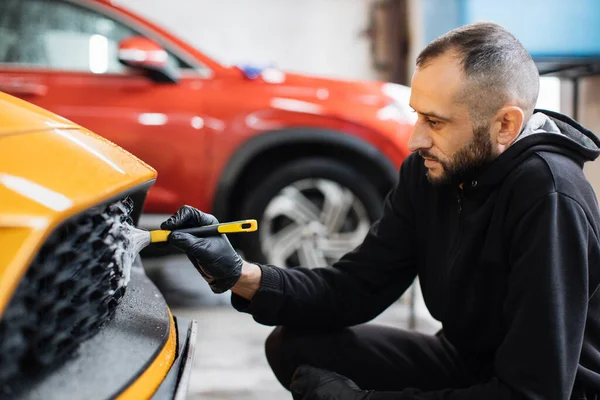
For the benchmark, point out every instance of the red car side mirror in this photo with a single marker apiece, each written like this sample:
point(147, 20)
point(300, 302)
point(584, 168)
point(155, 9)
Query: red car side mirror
point(142, 53)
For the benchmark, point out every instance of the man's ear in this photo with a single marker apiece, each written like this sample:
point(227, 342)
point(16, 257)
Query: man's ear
point(510, 120)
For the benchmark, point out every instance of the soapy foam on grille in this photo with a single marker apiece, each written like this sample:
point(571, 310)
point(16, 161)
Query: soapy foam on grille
point(131, 243)
point(136, 240)
point(123, 256)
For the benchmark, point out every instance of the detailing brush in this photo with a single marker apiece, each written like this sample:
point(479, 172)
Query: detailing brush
point(141, 238)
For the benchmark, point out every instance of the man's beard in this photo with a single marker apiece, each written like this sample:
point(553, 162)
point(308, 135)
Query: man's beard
point(466, 161)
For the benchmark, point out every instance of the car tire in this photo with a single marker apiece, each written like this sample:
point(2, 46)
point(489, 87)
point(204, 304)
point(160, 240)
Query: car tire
point(310, 212)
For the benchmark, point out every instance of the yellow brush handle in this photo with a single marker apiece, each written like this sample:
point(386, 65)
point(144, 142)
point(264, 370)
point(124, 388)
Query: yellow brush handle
point(247, 225)
point(159, 236)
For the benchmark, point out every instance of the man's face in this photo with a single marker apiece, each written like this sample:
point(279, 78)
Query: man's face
point(444, 134)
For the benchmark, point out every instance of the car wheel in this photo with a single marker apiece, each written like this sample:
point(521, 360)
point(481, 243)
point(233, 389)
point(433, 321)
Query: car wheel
point(310, 212)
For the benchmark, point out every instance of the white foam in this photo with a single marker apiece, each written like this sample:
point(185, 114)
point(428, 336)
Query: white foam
point(121, 249)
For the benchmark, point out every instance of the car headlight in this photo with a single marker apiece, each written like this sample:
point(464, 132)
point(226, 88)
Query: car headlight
point(399, 109)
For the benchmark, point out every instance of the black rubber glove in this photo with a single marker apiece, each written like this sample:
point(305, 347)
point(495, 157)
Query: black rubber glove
point(213, 257)
point(310, 383)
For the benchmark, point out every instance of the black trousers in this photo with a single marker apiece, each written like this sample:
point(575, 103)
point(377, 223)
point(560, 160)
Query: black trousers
point(378, 358)
point(375, 357)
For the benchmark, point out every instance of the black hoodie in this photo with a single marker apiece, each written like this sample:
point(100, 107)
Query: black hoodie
point(509, 264)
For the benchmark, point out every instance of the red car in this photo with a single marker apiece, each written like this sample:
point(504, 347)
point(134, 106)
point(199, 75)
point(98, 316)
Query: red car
point(310, 158)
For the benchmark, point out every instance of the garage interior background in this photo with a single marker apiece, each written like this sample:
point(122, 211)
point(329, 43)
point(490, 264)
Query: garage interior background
point(354, 39)
point(380, 39)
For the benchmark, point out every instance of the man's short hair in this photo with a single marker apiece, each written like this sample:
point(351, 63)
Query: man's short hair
point(497, 67)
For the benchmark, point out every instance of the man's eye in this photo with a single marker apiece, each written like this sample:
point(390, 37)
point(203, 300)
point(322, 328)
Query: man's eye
point(432, 123)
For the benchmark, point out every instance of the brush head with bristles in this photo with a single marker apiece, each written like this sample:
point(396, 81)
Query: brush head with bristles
point(139, 239)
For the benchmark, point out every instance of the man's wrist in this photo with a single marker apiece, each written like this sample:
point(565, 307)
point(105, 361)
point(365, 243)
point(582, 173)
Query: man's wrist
point(249, 281)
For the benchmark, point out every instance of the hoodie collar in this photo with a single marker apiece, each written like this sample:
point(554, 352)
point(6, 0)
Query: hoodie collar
point(542, 123)
point(544, 131)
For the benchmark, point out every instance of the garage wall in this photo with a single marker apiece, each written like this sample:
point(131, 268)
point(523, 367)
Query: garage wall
point(266, 31)
point(589, 100)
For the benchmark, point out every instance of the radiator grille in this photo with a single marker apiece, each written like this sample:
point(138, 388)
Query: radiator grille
point(71, 288)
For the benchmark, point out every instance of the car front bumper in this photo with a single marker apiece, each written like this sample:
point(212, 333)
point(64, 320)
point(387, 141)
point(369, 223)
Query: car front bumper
point(142, 352)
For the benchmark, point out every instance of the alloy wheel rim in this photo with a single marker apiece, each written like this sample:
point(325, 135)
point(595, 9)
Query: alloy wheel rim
point(312, 223)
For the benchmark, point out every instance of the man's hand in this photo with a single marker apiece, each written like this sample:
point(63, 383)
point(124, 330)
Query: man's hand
point(310, 383)
point(213, 257)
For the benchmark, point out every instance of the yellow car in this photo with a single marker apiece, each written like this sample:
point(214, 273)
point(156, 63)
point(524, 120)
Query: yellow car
point(79, 319)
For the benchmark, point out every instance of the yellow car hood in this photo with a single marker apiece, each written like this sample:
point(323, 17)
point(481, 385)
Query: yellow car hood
point(19, 116)
point(50, 170)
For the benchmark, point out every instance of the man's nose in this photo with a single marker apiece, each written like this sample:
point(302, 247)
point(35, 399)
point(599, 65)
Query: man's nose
point(419, 140)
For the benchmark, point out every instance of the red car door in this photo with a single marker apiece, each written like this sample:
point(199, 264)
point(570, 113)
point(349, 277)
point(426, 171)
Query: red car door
point(63, 56)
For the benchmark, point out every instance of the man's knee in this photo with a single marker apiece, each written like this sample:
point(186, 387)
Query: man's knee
point(281, 348)
point(273, 345)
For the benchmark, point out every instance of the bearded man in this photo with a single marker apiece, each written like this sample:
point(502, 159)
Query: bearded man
point(492, 212)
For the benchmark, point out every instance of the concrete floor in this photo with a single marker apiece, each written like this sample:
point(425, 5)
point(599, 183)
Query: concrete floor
point(230, 362)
